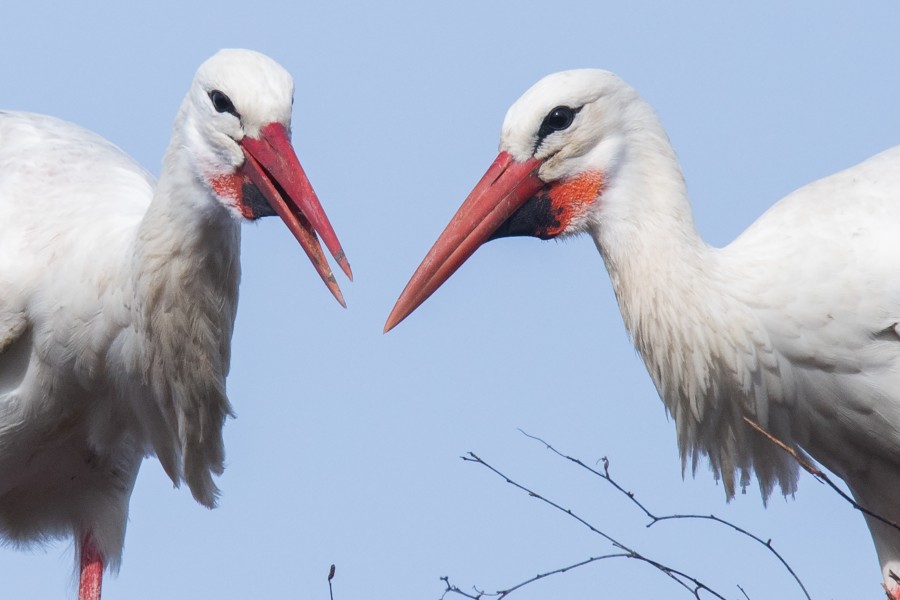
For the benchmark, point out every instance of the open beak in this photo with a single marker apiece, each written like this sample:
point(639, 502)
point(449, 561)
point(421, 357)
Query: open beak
point(505, 187)
point(272, 166)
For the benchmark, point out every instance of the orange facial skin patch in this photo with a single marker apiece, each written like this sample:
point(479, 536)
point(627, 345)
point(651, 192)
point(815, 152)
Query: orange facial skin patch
point(230, 187)
point(570, 199)
point(240, 192)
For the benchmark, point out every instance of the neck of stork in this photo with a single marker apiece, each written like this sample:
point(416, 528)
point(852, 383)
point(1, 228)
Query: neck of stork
point(187, 227)
point(683, 308)
point(185, 274)
point(661, 270)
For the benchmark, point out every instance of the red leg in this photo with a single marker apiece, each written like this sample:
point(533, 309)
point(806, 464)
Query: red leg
point(91, 570)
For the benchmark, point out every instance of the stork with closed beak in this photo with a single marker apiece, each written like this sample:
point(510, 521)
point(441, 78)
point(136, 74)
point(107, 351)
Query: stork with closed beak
point(795, 324)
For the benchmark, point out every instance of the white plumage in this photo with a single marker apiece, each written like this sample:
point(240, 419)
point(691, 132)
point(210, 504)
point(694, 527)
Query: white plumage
point(794, 324)
point(119, 296)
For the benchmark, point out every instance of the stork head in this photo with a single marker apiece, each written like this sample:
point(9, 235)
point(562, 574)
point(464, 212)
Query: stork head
point(236, 125)
point(560, 148)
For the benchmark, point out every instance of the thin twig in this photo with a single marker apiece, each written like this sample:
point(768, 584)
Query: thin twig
point(504, 593)
point(820, 475)
point(654, 519)
point(330, 577)
point(588, 561)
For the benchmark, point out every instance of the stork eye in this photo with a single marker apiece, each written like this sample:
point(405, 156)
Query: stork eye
point(222, 103)
point(558, 119)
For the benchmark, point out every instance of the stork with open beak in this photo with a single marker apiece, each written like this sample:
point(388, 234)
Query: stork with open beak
point(119, 297)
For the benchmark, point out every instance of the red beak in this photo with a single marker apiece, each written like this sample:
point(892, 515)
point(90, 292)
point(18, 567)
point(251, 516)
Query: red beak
point(271, 164)
point(505, 187)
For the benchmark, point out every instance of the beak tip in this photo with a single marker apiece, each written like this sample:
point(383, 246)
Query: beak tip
point(332, 286)
point(341, 259)
point(392, 321)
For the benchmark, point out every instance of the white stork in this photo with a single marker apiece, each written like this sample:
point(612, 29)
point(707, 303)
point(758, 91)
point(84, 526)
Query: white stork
point(118, 297)
point(795, 324)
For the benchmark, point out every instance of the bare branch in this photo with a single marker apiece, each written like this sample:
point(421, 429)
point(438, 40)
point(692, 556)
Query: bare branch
point(688, 582)
point(654, 519)
point(820, 475)
point(500, 594)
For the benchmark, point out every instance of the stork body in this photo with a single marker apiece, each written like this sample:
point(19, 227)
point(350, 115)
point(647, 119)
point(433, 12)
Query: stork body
point(119, 297)
point(794, 324)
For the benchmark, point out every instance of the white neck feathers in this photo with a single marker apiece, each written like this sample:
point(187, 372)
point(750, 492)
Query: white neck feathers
point(704, 348)
point(186, 272)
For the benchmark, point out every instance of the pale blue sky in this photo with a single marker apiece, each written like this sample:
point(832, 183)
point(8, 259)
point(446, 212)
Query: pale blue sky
point(346, 445)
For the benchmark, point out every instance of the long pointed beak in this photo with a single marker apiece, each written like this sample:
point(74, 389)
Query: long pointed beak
point(272, 165)
point(505, 187)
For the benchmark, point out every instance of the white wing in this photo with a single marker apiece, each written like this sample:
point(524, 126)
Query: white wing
point(69, 206)
point(822, 271)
